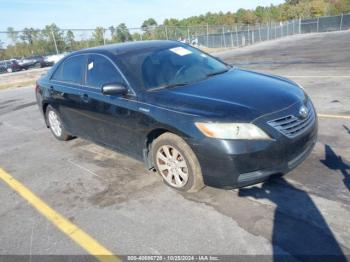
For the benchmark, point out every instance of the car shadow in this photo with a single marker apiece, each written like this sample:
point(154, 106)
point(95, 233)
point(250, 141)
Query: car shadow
point(335, 162)
point(299, 228)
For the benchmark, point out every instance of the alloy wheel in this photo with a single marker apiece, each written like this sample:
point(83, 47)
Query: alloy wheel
point(172, 166)
point(55, 123)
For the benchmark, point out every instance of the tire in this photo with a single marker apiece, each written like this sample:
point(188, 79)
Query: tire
point(176, 163)
point(9, 70)
point(55, 123)
point(37, 65)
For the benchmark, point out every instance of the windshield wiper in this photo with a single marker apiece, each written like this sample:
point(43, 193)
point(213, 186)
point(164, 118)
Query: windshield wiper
point(217, 73)
point(168, 86)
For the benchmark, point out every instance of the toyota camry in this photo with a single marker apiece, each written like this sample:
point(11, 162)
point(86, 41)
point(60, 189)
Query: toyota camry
point(187, 115)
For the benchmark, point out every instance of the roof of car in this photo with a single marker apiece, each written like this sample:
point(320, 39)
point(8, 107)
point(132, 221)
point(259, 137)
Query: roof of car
point(127, 47)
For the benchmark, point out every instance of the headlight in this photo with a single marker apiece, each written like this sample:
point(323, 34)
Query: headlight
point(232, 131)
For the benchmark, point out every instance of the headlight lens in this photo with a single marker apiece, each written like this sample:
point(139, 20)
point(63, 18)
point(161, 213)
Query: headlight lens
point(232, 131)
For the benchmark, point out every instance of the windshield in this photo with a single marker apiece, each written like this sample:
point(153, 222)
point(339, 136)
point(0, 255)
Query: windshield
point(168, 67)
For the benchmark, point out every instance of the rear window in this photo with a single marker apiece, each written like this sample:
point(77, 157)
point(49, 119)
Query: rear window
point(71, 70)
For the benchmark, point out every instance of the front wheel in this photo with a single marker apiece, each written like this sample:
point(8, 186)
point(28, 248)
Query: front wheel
point(175, 161)
point(55, 124)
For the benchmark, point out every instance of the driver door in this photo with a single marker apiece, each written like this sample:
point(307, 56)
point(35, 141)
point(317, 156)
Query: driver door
point(110, 119)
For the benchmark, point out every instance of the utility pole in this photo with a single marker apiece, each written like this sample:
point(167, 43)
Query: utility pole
point(223, 35)
point(260, 32)
point(281, 29)
point(54, 40)
point(104, 39)
point(341, 21)
point(166, 33)
point(188, 35)
point(275, 30)
point(248, 35)
point(207, 35)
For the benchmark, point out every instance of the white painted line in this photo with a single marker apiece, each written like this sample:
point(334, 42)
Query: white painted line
point(83, 168)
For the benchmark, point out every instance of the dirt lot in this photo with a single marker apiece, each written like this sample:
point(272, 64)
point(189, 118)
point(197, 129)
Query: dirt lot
point(129, 211)
point(21, 79)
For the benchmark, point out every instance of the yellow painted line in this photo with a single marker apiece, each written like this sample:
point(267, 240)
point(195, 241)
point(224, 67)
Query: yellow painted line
point(74, 232)
point(333, 116)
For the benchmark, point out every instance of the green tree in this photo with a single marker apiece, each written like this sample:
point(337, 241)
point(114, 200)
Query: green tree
point(112, 31)
point(150, 22)
point(122, 33)
point(12, 34)
point(70, 40)
point(27, 35)
point(136, 36)
point(98, 36)
point(50, 35)
point(318, 8)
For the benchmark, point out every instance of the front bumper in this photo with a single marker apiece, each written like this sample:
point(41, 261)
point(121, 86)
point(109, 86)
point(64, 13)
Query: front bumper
point(236, 163)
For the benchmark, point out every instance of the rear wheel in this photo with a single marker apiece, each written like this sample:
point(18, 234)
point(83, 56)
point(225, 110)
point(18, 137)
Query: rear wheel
point(55, 124)
point(175, 161)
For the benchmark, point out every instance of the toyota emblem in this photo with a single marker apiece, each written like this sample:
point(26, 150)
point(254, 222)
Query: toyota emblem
point(303, 112)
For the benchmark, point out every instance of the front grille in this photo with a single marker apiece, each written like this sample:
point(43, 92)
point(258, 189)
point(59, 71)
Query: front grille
point(292, 126)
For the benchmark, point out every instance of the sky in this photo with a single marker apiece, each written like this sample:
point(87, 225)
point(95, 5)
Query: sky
point(76, 14)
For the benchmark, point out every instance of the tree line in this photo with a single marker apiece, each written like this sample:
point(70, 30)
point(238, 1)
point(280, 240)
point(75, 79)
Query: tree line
point(52, 39)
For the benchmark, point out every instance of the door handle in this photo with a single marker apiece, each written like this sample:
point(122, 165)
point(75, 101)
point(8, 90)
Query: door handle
point(51, 90)
point(85, 98)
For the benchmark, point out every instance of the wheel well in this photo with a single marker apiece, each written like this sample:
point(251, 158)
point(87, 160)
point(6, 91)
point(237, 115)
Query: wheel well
point(44, 107)
point(44, 112)
point(149, 139)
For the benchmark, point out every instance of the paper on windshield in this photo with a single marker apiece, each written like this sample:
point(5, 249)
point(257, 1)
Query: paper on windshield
point(180, 51)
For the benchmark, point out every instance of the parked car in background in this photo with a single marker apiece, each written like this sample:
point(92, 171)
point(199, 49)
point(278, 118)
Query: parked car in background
point(53, 59)
point(32, 62)
point(194, 119)
point(48, 61)
point(9, 66)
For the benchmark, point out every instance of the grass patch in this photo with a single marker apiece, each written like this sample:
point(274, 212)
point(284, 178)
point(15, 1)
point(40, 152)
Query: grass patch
point(18, 84)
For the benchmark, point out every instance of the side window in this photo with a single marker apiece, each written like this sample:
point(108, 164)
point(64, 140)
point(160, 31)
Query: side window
point(57, 75)
point(101, 71)
point(71, 70)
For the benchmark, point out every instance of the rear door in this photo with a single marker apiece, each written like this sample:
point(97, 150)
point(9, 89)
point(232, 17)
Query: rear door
point(66, 92)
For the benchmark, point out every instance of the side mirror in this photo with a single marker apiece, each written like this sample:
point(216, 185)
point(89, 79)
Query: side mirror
point(114, 89)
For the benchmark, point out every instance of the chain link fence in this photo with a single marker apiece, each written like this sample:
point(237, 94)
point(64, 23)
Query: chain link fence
point(52, 40)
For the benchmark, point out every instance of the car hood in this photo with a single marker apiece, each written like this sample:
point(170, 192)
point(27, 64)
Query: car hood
point(238, 94)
